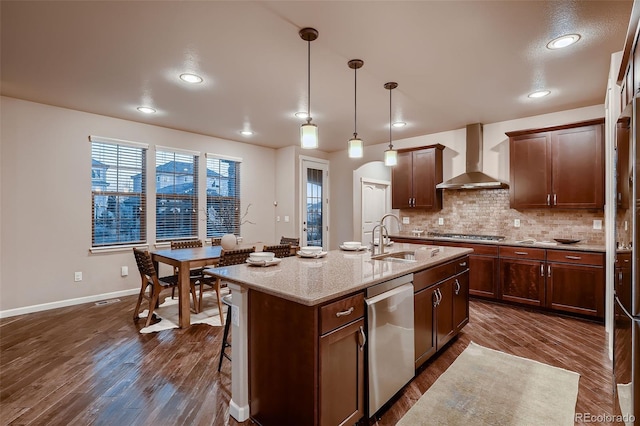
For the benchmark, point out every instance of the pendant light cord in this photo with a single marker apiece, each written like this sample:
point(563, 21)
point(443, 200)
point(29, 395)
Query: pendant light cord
point(390, 144)
point(355, 102)
point(308, 81)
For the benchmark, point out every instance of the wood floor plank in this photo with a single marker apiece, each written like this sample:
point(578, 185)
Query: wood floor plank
point(88, 365)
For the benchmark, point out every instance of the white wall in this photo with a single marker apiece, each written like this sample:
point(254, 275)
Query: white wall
point(46, 200)
point(495, 160)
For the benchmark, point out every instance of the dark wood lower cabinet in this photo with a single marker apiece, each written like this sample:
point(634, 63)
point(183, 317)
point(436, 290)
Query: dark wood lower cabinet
point(441, 306)
point(522, 281)
point(576, 288)
point(483, 276)
point(342, 375)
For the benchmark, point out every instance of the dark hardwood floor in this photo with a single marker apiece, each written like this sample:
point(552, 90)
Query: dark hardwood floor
point(88, 364)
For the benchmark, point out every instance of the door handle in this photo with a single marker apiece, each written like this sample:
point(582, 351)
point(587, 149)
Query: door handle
point(548, 199)
point(363, 339)
point(439, 297)
point(573, 257)
point(542, 270)
point(521, 253)
point(555, 199)
point(549, 271)
point(457, 287)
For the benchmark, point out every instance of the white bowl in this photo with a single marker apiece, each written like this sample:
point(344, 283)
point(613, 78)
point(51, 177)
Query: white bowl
point(310, 250)
point(259, 256)
point(352, 244)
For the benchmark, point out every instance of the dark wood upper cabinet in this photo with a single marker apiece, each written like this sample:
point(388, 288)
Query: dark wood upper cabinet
point(414, 178)
point(558, 167)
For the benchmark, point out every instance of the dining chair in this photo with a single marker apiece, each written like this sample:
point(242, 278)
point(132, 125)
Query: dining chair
point(151, 284)
point(216, 241)
point(227, 258)
point(290, 240)
point(195, 274)
point(280, 250)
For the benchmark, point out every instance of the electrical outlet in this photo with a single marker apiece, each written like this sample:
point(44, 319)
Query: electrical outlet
point(77, 276)
point(597, 224)
point(405, 220)
point(277, 218)
point(440, 221)
point(516, 223)
point(124, 271)
point(286, 218)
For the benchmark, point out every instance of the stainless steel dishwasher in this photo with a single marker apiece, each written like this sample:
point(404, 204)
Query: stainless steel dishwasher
point(391, 354)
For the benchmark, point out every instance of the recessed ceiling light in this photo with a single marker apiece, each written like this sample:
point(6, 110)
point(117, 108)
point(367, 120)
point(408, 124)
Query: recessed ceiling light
point(146, 110)
point(399, 124)
point(301, 114)
point(563, 41)
point(539, 94)
point(191, 78)
point(246, 132)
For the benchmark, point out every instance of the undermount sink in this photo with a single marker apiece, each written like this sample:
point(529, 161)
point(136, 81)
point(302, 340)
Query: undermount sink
point(399, 256)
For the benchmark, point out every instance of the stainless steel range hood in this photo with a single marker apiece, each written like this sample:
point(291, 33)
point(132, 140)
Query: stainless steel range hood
point(473, 178)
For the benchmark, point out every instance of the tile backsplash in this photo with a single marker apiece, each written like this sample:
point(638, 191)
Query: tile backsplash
point(487, 211)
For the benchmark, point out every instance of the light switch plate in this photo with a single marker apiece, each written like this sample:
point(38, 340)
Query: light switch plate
point(597, 224)
point(440, 221)
point(405, 220)
point(516, 223)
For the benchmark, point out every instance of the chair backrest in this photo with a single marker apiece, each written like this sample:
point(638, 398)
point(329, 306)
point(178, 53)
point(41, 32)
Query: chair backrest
point(290, 241)
point(216, 241)
point(144, 262)
point(186, 244)
point(280, 250)
point(234, 257)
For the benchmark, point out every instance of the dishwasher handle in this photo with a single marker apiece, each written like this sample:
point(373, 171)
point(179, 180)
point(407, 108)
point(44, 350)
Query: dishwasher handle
point(389, 293)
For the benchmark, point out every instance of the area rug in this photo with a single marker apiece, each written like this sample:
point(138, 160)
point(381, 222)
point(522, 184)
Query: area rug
point(168, 312)
point(488, 387)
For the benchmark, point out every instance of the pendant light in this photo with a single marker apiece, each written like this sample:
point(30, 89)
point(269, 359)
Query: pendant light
point(355, 143)
point(390, 155)
point(309, 131)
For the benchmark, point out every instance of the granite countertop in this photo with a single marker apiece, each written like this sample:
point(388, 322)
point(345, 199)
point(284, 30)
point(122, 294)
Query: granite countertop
point(311, 281)
point(507, 242)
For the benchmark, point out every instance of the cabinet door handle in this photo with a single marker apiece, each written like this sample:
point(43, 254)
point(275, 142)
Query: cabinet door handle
point(574, 257)
point(542, 269)
point(619, 278)
point(548, 199)
point(457, 287)
point(440, 293)
point(363, 339)
point(345, 313)
point(549, 271)
point(435, 298)
point(555, 199)
point(521, 253)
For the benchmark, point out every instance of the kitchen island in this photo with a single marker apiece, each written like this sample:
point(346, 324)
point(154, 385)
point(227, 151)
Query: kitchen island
point(299, 329)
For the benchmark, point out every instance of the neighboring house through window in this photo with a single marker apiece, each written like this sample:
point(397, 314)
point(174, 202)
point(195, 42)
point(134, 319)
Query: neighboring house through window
point(223, 195)
point(118, 200)
point(176, 194)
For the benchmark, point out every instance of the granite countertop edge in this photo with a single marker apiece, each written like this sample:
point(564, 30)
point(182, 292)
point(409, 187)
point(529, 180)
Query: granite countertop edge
point(506, 242)
point(234, 274)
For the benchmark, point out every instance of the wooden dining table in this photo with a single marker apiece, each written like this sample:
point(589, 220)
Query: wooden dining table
point(184, 260)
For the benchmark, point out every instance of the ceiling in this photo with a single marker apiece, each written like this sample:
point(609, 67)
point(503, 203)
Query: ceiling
point(456, 62)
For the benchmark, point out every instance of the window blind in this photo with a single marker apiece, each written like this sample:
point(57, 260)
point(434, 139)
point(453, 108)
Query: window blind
point(176, 195)
point(223, 196)
point(118, 192)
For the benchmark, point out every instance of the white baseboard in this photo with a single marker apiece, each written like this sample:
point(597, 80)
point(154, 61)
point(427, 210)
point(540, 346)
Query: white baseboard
point(65, 303)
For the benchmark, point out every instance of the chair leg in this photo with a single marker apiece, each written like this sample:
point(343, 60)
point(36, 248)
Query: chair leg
point(227, 325)
point(193, 296)
point(136, 313)
point(219, 300)
point(152, 304)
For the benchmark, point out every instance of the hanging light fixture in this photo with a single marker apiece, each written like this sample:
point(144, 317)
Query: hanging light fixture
point(309, 131)
point(355, 143)
point(390, 155)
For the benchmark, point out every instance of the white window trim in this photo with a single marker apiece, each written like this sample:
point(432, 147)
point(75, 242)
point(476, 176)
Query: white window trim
point(177, 150)
point(223, 157)
point(113, 141)
point(117, 249)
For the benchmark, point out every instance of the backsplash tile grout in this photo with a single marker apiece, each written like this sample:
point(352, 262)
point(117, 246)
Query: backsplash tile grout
point(487, 211)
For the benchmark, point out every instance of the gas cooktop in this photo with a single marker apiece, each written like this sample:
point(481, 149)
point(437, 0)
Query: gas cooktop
point(467, 236)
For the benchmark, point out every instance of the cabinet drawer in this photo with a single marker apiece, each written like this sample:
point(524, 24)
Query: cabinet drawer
point(576, 257)
point(424, 279)
point(522, 252)
point(462, 264)
point(341, 312)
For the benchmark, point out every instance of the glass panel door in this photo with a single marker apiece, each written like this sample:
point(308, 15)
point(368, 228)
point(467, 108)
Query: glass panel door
point(314, 199)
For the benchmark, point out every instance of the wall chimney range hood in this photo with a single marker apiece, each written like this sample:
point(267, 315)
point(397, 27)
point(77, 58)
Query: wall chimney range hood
point(473, 178)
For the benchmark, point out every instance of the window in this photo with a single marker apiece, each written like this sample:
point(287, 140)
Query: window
point(223, 196)
point(118, 191)
point(176, 194)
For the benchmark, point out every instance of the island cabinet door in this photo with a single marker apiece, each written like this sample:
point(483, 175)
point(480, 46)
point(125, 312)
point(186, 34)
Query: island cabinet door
point(461, 300)
point(342, 375)
point(423, 319)
point(444, 313)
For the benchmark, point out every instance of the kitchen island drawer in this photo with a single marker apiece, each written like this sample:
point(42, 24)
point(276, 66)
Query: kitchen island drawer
point(429, 277)
point(522, 252)
point(341, 312)
point(576, 257)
